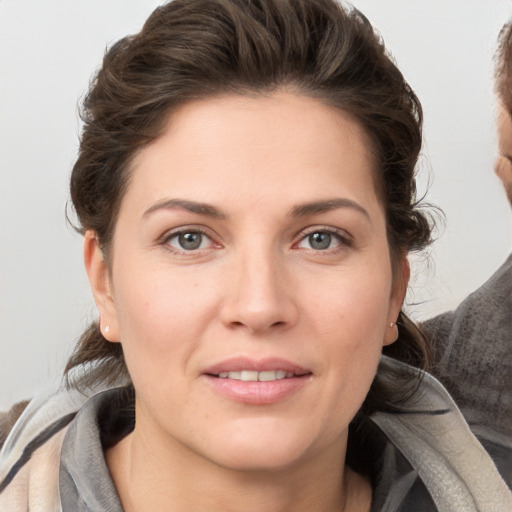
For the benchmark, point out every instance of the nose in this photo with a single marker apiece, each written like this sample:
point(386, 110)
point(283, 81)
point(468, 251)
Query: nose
point(259, 295)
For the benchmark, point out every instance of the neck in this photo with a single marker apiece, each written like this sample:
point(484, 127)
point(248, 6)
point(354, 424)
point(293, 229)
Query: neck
point(151, 478)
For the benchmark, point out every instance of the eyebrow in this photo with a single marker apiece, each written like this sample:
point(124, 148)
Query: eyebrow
point(192, 206)
point(300, 210)
point(327, 205)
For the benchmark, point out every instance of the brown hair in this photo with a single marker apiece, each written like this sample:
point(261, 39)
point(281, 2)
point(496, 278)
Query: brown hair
point(193, 49)
point(503, 67)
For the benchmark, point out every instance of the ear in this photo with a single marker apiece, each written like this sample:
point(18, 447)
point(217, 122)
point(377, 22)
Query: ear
point(99, 279)
point(398, 291)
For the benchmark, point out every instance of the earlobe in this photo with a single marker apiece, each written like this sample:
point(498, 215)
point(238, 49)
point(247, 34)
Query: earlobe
point(401, 281)
point(391, 333)
point(99, 280)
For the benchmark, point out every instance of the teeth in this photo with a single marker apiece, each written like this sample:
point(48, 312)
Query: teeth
point(246, 375)
point(253, 376)
point(266, 376)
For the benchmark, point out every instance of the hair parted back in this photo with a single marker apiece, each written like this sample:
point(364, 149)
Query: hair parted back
point(503, 67)
point(195, 49)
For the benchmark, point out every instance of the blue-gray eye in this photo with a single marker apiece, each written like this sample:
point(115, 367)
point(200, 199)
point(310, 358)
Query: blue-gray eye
point(188, 240)
point(320, 240)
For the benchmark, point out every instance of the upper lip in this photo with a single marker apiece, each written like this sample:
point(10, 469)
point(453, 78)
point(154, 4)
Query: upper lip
point(238, 364)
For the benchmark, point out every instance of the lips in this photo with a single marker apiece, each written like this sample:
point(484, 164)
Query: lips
point(245, 364)
point(254, 376)
point(257, 382)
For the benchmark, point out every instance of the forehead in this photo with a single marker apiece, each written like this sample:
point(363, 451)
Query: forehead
point(281, 145)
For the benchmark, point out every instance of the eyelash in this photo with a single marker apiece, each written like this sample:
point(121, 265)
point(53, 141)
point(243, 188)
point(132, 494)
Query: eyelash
point(344, 240)
point(166, 239)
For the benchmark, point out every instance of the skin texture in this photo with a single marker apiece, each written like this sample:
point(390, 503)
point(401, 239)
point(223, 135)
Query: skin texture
point(257, 287)
point(503, 166)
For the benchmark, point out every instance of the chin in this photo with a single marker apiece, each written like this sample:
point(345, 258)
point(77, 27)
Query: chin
point(258, 459)
point(270, 447)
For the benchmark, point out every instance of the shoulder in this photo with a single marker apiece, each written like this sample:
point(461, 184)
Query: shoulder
point(433, 436)
point(36, 480)
point(484, 314)
point(472, 353)
point(58, 441)
point(32, 435)
point(9, 418)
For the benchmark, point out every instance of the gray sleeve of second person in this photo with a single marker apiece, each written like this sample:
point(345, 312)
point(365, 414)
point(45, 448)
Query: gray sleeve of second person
point(473, 359)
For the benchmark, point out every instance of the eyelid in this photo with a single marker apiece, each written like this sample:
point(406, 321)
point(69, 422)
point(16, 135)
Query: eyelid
point(171, 233)
point(343, 236)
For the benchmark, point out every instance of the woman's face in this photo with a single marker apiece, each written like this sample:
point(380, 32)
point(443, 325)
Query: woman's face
point(251, 284)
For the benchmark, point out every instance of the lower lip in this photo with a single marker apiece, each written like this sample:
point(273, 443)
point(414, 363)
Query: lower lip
point(256, 392)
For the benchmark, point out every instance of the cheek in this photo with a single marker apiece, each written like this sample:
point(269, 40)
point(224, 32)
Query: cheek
point(347, 330)
point(161, 315)
point(352, 334)
point(352, 305)
point(349, 326)
point(503, 169)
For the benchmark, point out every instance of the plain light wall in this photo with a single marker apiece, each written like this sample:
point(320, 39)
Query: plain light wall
point(48, 52)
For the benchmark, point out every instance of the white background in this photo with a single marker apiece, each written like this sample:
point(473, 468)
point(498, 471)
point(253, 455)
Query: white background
point(50, 48)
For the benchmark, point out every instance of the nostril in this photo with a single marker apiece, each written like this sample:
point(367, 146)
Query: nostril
point(253, 327)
